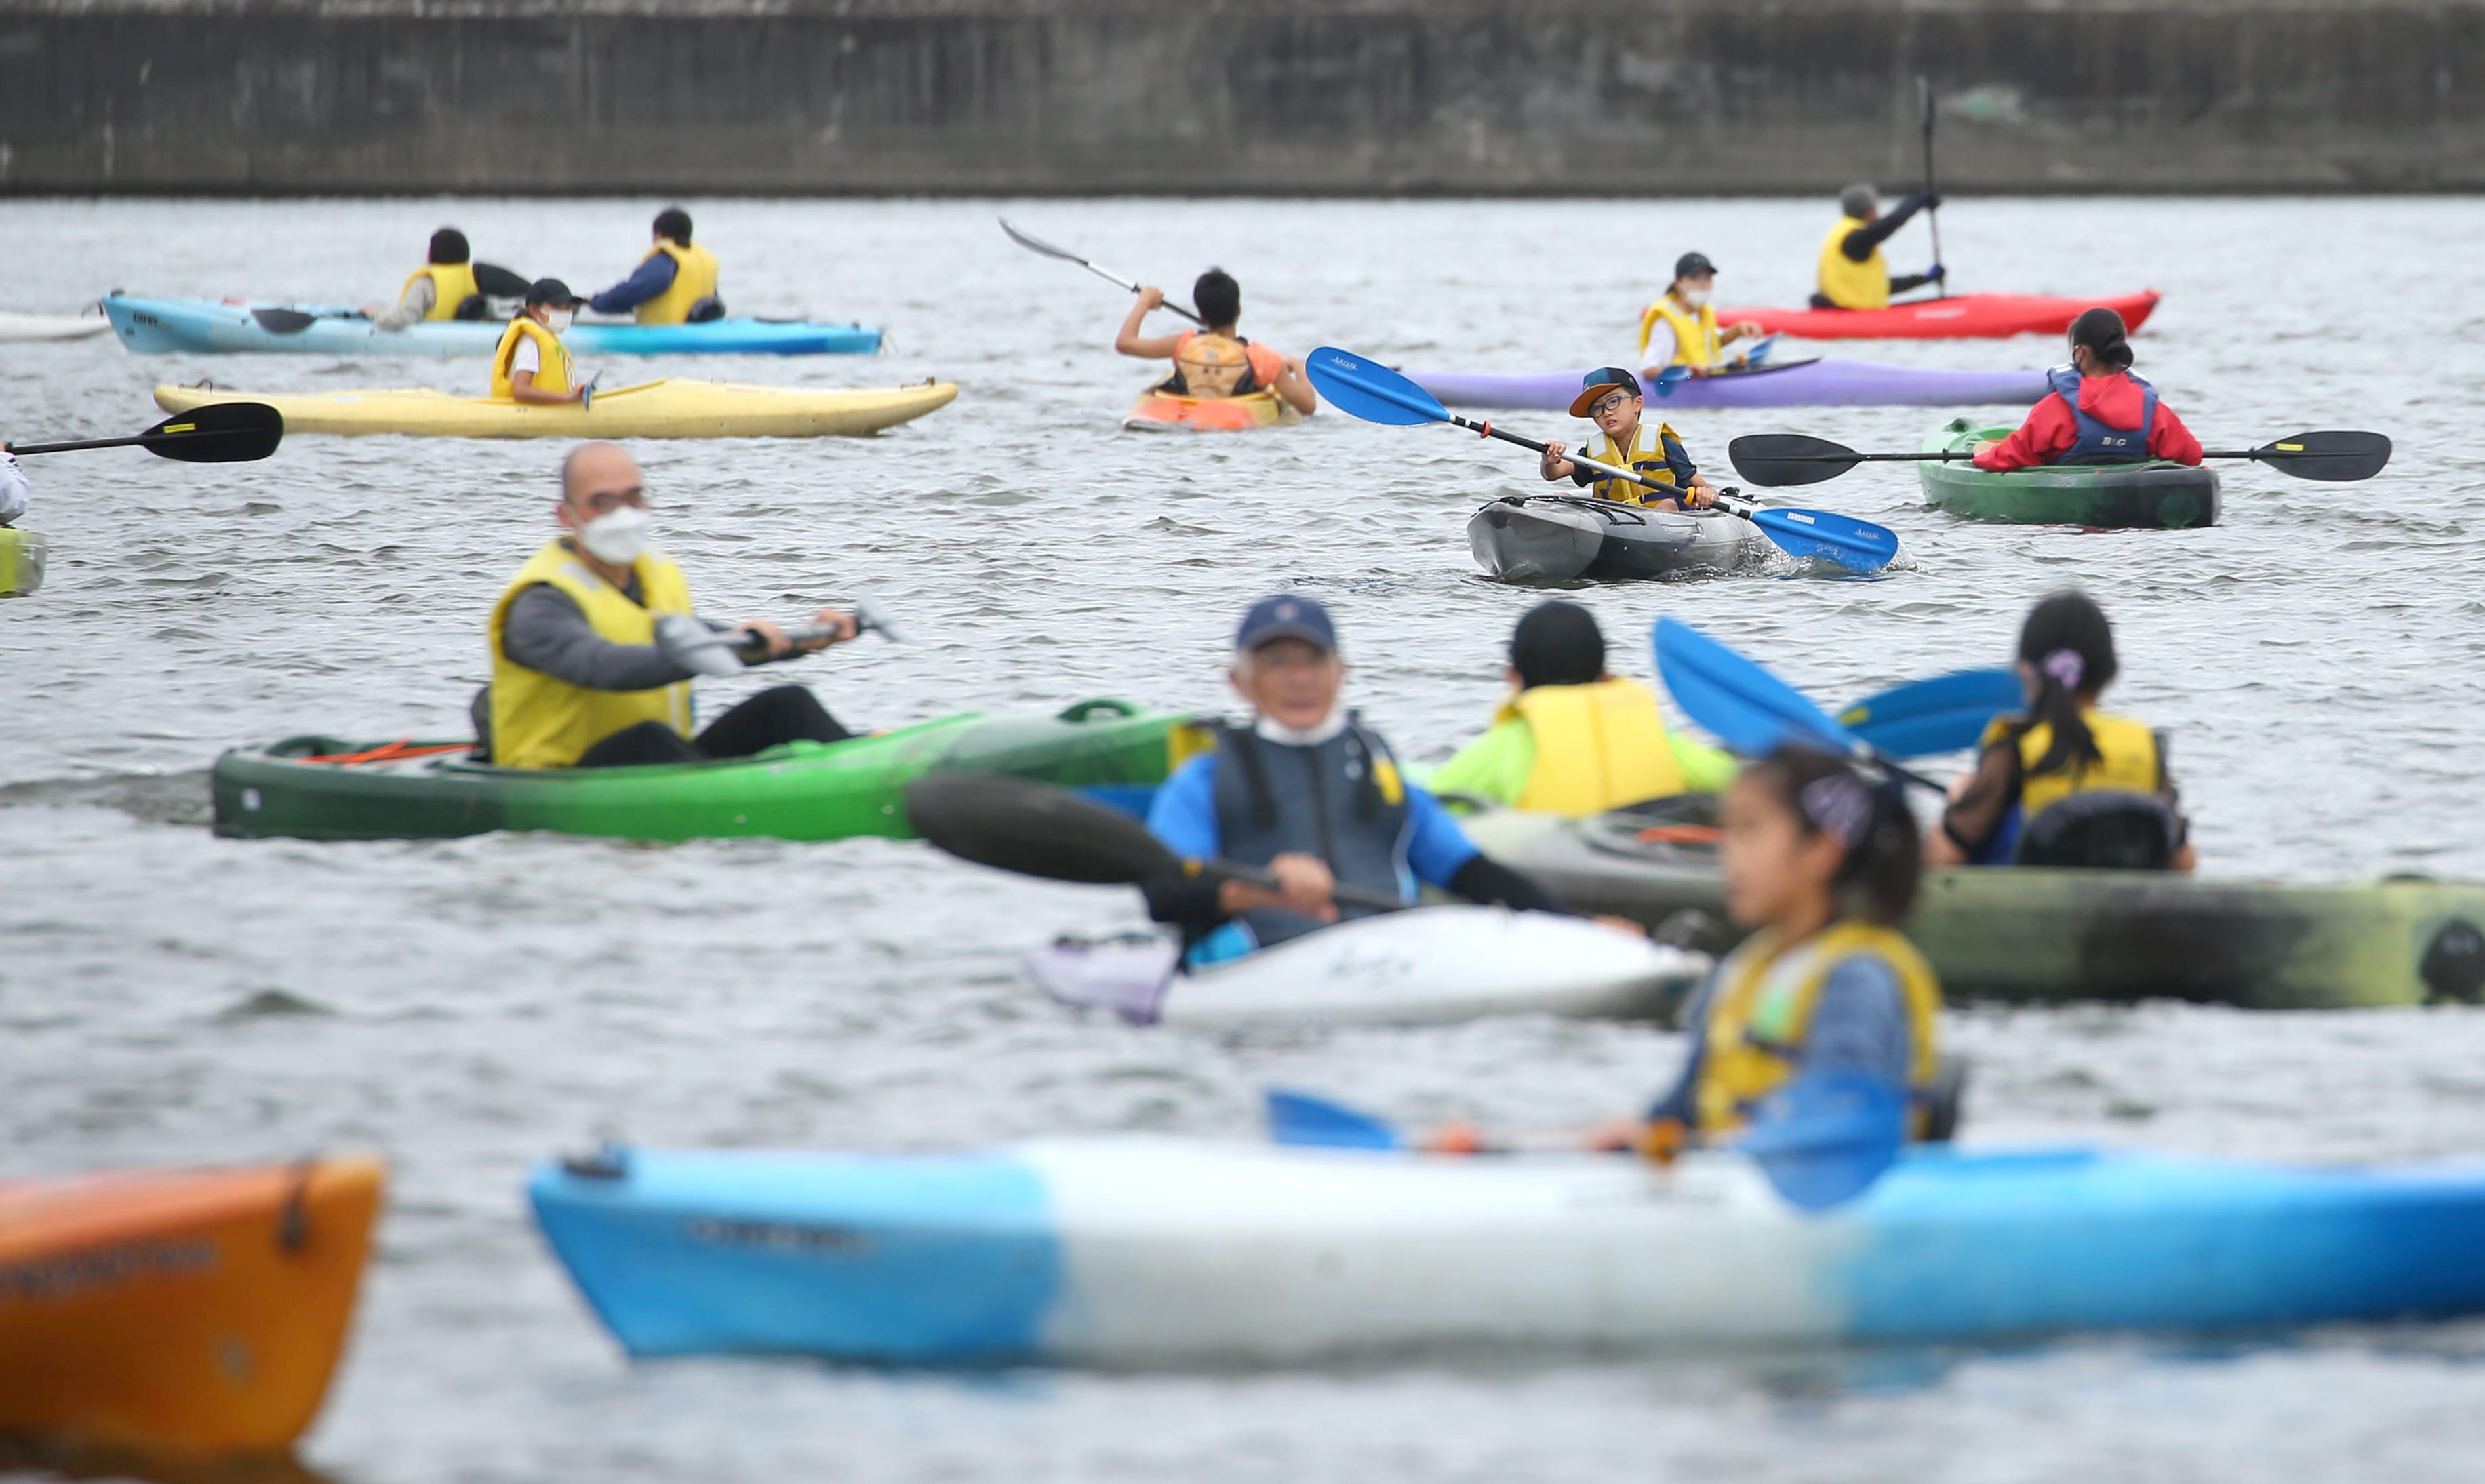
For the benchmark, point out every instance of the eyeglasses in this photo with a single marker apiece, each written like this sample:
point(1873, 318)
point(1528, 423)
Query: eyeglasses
point(606, 501)
point(1612, 403)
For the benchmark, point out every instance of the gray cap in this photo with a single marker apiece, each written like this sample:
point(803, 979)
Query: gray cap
point(1858, 200)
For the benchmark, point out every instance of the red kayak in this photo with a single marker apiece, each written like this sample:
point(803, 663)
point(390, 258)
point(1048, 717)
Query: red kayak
point(1958, 317)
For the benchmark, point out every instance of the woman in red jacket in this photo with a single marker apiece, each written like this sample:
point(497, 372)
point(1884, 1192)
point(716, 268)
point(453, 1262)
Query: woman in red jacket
point(2098, 412)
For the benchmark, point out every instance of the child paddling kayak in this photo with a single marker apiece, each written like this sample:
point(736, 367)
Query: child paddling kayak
point(1611, 396)
point(2098, 412)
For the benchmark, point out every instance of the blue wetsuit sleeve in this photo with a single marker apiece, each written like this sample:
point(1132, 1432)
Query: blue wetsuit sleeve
point(1183, 812)
point(645, 283)
point(1679, 460)
point(1676, 1104)
point(1437, 849)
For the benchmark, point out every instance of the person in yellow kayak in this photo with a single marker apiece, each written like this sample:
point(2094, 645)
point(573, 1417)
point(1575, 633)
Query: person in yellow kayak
point(1610, 397)
point(2066, 784)
point(531, 365)
point(1216, 362)
point(444, 287)
point(1680, 328)
point(586, 643)
point(1573, 738)
point(673, 285)
point(1853, 274)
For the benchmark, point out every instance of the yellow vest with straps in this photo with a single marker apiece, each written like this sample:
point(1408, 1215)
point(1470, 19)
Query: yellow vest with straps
point(1761, 1009)
point(1646, 455)
point(693, 280)
point(2128, 763)
point(452, 285)
point(1598, 746)
point(554, 373)
point(538, 721)
point(1695, 335)
point(1847, 284)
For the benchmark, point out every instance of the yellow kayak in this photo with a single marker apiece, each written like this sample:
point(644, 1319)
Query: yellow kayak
point(656, 409)
point(21, 562)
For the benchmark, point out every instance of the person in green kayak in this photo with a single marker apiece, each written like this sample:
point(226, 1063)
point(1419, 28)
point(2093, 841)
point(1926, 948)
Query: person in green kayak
point(2094, 411)
point(1573, 738)
point(2067, 784)
point(1853, 274)
point(1680, 328)
point(531, 365)
point(586, 672)
point(1216, 361)
point(1308, 792)
point(1610, 397)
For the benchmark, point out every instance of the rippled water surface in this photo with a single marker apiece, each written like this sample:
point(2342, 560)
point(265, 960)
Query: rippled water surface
point(469, 1006)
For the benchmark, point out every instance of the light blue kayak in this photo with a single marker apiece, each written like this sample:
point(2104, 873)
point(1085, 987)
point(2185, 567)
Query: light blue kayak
point(199, 326)
point(1145, 1250)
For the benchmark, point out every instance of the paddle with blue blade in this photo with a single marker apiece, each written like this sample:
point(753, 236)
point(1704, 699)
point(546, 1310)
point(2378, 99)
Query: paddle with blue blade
point(1363, 388)
point(1947, 714)
point(1750, 710)
point(1820, 1141)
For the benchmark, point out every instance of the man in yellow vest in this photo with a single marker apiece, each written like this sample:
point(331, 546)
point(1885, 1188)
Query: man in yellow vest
point(1853, 274)
point(673, 285)
point(531, 365)
point(1574, 739)
point(1680, 328)
point(584, 671)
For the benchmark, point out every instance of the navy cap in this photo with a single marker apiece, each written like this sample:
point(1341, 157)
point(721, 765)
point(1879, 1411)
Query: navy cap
point(552, 291)
point(1286, 616)
point(1598, 383)
point(1693, 264)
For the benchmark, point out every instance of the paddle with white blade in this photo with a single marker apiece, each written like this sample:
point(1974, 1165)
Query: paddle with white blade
point(1376, 393)
point(1039, 246)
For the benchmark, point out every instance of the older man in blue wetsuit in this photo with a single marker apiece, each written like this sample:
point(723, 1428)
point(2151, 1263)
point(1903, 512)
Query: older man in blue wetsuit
point(1311, 795)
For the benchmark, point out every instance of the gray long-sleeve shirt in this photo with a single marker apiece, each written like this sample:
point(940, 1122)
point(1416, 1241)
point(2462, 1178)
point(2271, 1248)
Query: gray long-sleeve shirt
point(413, 305)
point(546, 630)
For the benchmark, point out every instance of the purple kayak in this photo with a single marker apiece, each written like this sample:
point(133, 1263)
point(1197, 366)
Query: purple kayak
point(1795, 384)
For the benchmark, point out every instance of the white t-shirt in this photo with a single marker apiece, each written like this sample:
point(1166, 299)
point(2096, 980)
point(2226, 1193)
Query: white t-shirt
point(528, 357)
point(12, 489)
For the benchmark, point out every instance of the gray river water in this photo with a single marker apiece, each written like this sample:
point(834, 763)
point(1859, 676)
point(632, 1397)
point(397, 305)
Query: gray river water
point(469, 1006)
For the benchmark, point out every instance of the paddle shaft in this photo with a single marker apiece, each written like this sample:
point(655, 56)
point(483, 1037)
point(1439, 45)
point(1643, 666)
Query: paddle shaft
point(1606, 471)
point(1047, 250)
point(1958, 455)
point(1343, 896)
point(141, 440)
point(1933, 214)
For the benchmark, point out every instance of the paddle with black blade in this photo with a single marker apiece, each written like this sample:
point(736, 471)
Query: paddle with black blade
point(1378, 395)
point(217, 433)
point(1045, 248)
point(1042, 829)
point(1781, 460)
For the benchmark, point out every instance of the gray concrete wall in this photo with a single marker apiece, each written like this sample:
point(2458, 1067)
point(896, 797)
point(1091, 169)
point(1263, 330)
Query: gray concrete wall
point(1215, 95)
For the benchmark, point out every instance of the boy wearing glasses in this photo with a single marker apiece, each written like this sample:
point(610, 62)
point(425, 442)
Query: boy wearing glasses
point(1610, 397)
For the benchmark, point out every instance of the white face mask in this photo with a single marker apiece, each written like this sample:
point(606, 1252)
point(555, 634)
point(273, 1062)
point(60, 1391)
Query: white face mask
point(557, 320)
point(617, 538)
point(1694, 297)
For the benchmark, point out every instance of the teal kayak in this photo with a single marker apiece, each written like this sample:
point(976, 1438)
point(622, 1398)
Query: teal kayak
point(201, 326)
point(327, 787)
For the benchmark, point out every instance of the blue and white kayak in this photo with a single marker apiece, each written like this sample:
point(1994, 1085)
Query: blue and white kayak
point(152, 326)
point(1147, 1251)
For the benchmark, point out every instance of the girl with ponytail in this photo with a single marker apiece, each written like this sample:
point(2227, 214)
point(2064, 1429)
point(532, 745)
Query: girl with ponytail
point(2064, 746)
point(2097, 412)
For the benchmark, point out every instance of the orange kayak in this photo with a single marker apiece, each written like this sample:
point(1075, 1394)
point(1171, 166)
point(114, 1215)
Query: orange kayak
point(1213, 414)
point(179, 1311)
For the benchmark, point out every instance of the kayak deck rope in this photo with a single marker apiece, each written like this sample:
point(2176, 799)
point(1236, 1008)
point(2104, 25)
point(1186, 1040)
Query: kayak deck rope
point(1680, 834)
point(388, 752)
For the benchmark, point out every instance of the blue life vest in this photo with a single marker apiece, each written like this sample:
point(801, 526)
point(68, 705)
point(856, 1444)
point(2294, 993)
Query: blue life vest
point(2098, 443)
point(1342, 801)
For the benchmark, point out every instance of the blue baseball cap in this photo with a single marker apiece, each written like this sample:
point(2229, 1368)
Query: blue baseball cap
point(1597, 384)
point(1286, 616)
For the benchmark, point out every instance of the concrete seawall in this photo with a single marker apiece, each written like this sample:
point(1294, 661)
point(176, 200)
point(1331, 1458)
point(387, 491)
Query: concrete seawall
point(1348, 97)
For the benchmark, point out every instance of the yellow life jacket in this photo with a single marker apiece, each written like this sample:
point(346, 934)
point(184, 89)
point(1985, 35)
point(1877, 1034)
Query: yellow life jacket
point(452, 285)
point(1598, 746)
point(2129, 762)
point(1213, 366)
point(538, 721)
point(1759, 1011)
point(554, 374)
point(693, 280)
point(1846, 283)
point(1646, 455)
point(1695, 335)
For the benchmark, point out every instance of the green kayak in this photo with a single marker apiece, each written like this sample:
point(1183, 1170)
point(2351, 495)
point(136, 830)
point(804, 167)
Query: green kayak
point(324, 788)
point(2109, 497)
point(2020, 933)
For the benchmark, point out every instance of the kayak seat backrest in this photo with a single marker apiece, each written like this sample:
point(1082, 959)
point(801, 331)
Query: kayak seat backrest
point(1678, 829)
point(2103, 829)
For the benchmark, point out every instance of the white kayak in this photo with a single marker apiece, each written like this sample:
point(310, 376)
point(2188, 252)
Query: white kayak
point(1138, 1250)
point(15, 327)
point(1428, 965)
